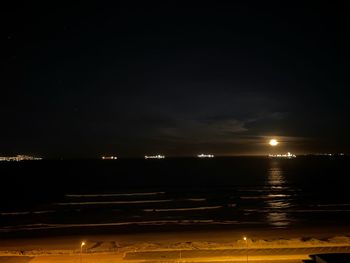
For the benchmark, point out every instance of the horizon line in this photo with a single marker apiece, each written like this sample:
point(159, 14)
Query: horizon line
point(175, 156)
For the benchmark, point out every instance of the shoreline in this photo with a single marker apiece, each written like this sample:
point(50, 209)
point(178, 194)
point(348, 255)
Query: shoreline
point(317, 230)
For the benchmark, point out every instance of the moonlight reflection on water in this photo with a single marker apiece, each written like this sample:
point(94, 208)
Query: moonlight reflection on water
point(279, 201)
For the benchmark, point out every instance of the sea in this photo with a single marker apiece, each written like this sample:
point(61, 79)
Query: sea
point(74, 196)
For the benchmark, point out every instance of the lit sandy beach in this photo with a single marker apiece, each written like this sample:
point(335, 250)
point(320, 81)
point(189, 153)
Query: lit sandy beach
point(188, 246)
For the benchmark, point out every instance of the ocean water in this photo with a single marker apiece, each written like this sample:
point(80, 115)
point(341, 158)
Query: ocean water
point(230, 192)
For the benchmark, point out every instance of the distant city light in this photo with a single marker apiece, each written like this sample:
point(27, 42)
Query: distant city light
point(329, 154)
point(202, 155)
point(273, 142)
point(109, 157)
point(154, 156)
point(18, 158)
point(288, 155)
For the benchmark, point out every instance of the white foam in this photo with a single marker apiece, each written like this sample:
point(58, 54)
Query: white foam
point(26, 213)
point(14, 213)
point(331, 205)
point(269, 196)
point(141, 223)
point(297, 210)
point(116, 202)
point(182, 209)
point(277, 195)
point(113, 194)
point(44, 212)
point(196, 199)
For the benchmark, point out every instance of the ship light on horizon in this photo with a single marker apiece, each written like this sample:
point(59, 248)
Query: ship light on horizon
point(109, 157)
point(19, 158)
point(288, 155)
point(159, 156)
point(202, 155)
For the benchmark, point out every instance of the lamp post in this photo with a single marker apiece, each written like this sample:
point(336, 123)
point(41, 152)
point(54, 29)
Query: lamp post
point(246, 242)
point(81, 250)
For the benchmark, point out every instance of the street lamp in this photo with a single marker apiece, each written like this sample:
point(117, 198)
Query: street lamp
point(246, 242)
point(81, 250)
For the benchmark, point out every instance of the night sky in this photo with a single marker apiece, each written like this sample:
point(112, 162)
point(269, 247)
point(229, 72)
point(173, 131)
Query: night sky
point(87, 79)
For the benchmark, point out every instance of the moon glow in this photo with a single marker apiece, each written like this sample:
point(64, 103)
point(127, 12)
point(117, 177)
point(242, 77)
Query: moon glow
point(273, 142)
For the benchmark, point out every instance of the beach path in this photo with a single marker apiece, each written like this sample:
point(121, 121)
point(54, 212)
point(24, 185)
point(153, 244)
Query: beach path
point(116, 259)
point(15, 259)
point(76, 259)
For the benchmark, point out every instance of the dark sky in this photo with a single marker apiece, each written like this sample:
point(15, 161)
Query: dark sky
point(87, 79)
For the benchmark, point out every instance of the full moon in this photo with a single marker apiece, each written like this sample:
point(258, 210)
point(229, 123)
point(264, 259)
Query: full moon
point(273, 142)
